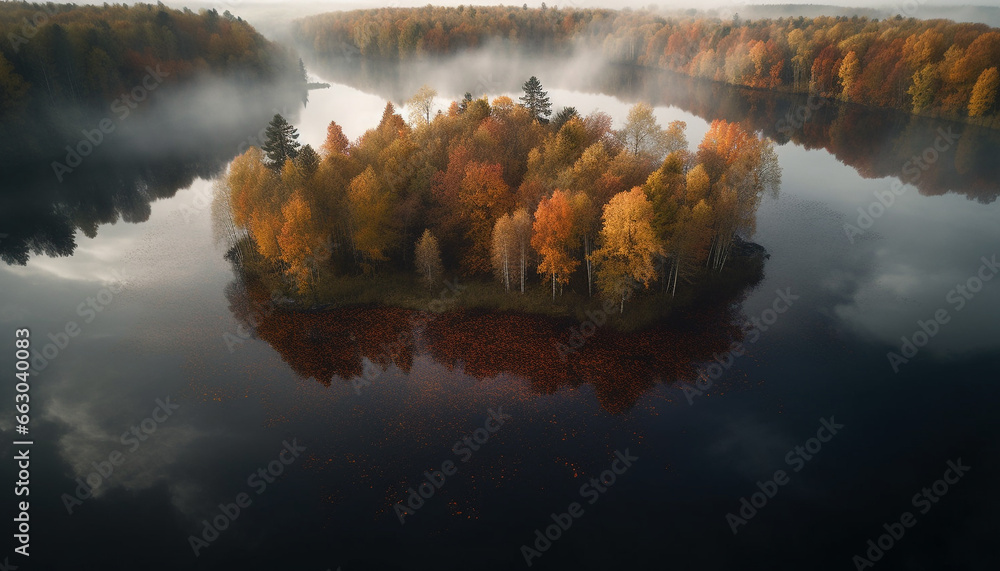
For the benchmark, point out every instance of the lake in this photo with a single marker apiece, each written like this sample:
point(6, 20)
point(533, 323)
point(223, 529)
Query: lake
point(302, 434)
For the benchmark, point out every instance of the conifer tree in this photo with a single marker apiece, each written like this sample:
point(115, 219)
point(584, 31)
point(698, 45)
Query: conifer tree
point(536, 100)
point(281, 144)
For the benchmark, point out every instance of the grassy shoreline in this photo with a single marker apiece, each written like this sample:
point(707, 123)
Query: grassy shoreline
point(454, 293)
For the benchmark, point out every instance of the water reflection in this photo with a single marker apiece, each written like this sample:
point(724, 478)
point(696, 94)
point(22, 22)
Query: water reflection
point(877, 143)
point(347, 345)
point(188, 133)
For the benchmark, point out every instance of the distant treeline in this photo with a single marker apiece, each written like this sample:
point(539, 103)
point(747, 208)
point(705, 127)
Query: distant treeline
point(55, 58)
point(934, 67)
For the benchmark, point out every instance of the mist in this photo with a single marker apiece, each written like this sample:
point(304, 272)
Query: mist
point(272, 18)
point(97, 166)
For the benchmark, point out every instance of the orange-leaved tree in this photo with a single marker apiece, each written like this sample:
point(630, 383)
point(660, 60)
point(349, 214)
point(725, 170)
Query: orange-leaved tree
point(483, 196)
point(554, 237)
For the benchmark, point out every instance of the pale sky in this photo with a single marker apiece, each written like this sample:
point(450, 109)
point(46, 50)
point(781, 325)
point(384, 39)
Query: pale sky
point(332, 5)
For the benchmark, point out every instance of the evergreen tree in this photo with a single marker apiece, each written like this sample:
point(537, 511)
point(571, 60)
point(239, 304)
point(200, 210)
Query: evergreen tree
point(308, 160)
point(281, 144)
point(563, 117)
point(536, 100)
point(464, 105)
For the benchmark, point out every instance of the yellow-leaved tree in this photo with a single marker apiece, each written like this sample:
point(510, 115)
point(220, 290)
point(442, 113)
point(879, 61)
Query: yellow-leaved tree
point(298, 241)
point(372, 229)
point(427, 257)
point(984, 94)
point(629, 245)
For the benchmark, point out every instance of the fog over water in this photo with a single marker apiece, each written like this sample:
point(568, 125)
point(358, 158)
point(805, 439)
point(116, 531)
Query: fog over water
point(139, 208)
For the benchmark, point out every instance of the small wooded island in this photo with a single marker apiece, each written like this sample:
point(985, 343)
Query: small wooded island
point(556, 210)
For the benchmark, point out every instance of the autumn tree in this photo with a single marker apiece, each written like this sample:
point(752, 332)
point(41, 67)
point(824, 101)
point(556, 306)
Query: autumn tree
point(629, 246)
point(872, 62)
point(850, 68)
point(484, 197)
point(643, 136)
point(521, 228)
point(585, 218)
point(298, 241)
point(553, 237)
point(503, 252)
point(924, 86)
point(427, 257)
point(420, 105)
point(744, 168)
point(984, 94)
point(371, 219)
point(336, 142)
point(256, 194)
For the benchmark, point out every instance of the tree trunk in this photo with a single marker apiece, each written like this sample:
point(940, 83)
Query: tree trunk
point(506, 273)
point(522, 270)
point(677, 271)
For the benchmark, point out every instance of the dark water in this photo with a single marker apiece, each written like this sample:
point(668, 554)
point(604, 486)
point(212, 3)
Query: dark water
point(376, 397)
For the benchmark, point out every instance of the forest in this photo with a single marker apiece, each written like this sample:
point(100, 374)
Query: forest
point(497, 188)
point(930, 67)
point(61, 61)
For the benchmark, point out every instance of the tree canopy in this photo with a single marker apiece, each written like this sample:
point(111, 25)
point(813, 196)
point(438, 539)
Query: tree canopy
point(492, 192)
point(920, 66)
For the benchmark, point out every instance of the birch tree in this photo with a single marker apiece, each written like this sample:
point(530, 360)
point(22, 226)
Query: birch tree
point(427, 256)
point(554, 239)
point(628, 245)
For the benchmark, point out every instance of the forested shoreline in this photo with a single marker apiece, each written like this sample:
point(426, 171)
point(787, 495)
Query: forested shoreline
point(929, 67)
point(62, 64)
point(105, 109)
point(496, 188)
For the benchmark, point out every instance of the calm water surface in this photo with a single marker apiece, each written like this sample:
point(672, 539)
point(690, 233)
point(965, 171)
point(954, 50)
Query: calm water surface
point(174, 330)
